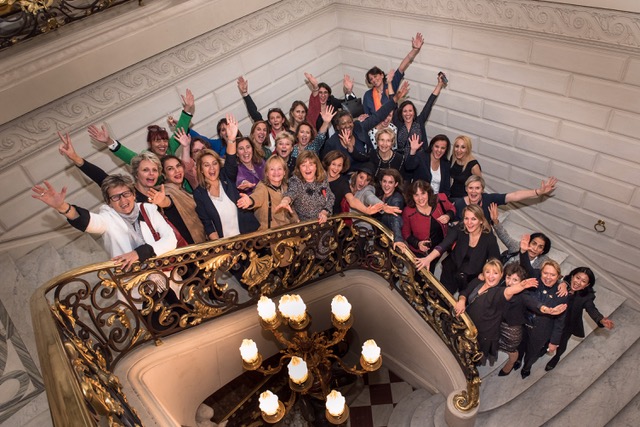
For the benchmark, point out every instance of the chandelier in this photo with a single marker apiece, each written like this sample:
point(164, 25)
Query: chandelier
point(310, 356)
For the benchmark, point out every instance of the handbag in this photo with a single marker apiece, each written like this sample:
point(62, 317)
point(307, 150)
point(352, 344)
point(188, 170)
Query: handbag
point(354, 106)
point(156, 236)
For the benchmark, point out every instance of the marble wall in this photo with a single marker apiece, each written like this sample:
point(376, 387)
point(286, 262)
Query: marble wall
point(543, 89)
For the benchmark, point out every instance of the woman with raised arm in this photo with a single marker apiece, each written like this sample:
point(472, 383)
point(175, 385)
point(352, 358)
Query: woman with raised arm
point(158, 139)
point(471, 243)
point(409, 122)
point(267, 196)
point(477, 196)
point(463, 166)
point(352, 137)
point(486, 303)
point(217, 195)
point(321, 98)
point(275, 116)
point(127, 233)
point(375, 97)
point(309, 194)
point(581, 297)
point(361, 184)
point(425, 219)
point(385, 157)
point(539, 243)
point(219, 144)
point(284, 149)
point(306, 136)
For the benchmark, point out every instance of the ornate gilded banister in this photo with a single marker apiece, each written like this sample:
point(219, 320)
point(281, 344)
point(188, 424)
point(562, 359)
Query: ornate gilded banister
point(90, 318)
point(23, 19)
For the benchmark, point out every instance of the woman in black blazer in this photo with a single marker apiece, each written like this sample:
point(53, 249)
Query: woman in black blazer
point(581, 297)
point(217, 195)
point(474, 245)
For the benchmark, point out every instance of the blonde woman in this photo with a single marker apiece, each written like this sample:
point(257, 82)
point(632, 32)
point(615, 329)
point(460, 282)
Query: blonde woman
point(474, 245)
point(463, 165)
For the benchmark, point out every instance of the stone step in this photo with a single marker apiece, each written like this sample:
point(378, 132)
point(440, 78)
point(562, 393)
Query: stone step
point(438, 417)
point(575, 373)
point(402, 413)
point(629, 415)
point(598, 404)
point(82, 251)
point(425, 413)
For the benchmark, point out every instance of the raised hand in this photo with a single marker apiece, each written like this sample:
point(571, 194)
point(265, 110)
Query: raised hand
point(547, 187)
point(66, 149)
point(415, 143)
point(494, 214)
point(312, 81)
point(49, 196)
point(183, 138)
point(188, 102)
point(327, 113)
point(345, 139)
point(157, 197)
point(243, 86)
point(347, 84)
point(100, 134)
point(417, 41)
point(403, 90)
point(232, 128)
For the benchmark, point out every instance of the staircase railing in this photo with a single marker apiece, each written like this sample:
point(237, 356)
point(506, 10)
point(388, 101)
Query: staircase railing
point(88, 319)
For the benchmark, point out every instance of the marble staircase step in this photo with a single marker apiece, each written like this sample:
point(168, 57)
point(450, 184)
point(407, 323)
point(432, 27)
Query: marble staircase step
point(438, 417)
point(597, 405)
point(425, 413)
point(575, 373)
point(402, 413)
point(629, 415)
point(82, 251)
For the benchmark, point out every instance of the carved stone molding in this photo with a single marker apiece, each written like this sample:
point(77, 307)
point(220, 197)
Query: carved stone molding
point(20, 137)
point(610, 27)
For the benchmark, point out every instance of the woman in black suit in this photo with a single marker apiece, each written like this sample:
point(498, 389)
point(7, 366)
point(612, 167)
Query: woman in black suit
point(581, 297)
point(474, 245)
point(217, 195)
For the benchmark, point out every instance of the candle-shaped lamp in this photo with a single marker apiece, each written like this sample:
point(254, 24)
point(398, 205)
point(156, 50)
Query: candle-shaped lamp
point(249, 351)
point(298, 309)
point(335, 403)
point(340, 308)
point(370, 351)
point(266, 309)
point(268, 403)
point(285, 306)
point(298, 370)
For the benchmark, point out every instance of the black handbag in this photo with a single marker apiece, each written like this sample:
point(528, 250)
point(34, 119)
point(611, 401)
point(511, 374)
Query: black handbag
point(354, 106)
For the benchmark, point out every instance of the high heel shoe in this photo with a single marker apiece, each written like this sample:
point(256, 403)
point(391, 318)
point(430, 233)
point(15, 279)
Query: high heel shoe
point(525, 373)
point(517, 365)
point(503, 373)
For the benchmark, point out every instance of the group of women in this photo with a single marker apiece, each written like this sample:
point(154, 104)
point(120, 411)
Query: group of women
point(188, 189)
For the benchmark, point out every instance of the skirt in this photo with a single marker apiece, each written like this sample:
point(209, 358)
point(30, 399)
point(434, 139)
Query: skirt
point(510, 337)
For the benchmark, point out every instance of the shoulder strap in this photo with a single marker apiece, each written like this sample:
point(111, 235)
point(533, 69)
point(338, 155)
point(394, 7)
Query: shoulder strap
point(269, 210)
point(155, 234)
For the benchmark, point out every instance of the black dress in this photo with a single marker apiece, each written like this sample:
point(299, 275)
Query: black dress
point(460, 176)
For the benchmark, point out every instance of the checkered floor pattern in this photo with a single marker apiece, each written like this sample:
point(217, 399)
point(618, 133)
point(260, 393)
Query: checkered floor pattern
point(373, 406)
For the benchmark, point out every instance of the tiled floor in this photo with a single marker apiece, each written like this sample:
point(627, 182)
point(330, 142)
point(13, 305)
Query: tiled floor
point(373, 406)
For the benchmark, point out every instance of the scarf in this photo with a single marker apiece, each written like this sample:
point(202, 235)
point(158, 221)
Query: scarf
point(187, 209)
point(132, 220)
point(377, 98)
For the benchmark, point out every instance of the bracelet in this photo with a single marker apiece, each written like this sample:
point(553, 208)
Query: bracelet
point(67, 211)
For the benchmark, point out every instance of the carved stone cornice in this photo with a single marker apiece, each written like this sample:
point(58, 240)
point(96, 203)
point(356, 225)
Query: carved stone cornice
point(22, 136)
point(609, 27)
